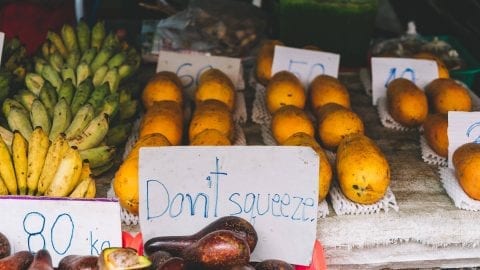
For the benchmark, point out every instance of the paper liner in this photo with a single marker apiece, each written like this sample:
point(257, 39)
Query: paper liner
point(455, 191)
point(385, 117)
point(239, 116)
point(429, 156)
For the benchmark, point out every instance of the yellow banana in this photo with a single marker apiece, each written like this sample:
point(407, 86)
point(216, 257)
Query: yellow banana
point(3, 188)
point(82, 186)
point(20, 161)
point(62, 116)
point(92, 189)
point(7, 171)
point(37, 150)
point(54, 154)
point(67, 174)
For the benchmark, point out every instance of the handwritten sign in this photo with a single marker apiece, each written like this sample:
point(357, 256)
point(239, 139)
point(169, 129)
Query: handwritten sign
point(62, 226)
point(305, 64)
point(2, 40)
point(184, 188)
point(463, 127)
point(386, 69)
point(189, 67)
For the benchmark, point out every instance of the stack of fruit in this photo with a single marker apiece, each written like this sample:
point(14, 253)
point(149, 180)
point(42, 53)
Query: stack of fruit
point(75, 90)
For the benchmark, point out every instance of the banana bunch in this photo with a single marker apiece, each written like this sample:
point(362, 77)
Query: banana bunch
point(78, 57)
point(15, 64)
point(40, 166)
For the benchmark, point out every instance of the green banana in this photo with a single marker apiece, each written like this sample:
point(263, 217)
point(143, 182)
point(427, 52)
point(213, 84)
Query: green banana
point(113, 78)
point(69, 73)
point(48, 97)
point(117, 60)
point(18, 120)
point(34, 82)
point(39, 116)
point(46, 49)
point(39, 63)
point(51, 75)
point(73, 59)
point(81, 95)
point(69, 38)
point(101, 59)
point(100, 75)
point(57, 42)
point(56, 61)
point(9, 103)
point(7, 136)
point(83, 35)
point(125, 71)
point(66, 91)
point(98, 34)
point(128, 109)
point(102, 169)
point(110, 105)
point(98, 156)
point(98, 95)
point(88, 55)
point(26, 98)
point(93, 134)
point(118, 134)
point(83, 72)
point(111, 41)
point(62, 116)
point(81, 119)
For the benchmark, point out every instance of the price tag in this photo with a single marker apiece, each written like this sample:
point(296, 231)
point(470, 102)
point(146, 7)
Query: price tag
point(463, 127)
point(62, 226)
point(184, 188)
point(386, 69)
point(189, 67)
point(305, 64)
point(2, 40)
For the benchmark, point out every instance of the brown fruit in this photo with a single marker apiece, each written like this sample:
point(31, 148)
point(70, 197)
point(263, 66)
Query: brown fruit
point(164, 85)
point(273, 265)
point(289, 120)
point(362, 169)
point(325, 171)
point(335, 122)
point(327, 89)
point(20, 260)
point(446, 95)
point(264, 61)
point(5, 247)
point(166, 118)
point(284, 89)
point(78, 262)
point(211, 114)
point(407, 104)
point(435, 131)
point(214, 84)
point(466, 160)
point(41, 261)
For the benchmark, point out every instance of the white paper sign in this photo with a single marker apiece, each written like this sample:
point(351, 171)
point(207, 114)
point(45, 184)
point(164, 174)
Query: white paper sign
point(386, 69)
point(189, 67)
point(2, 40)
point(184, 188)
point(62, 226)
point(463, 127)
point(305, 64)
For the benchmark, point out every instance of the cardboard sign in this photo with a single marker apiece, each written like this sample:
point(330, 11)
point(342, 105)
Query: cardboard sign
point(305, 64)
point(189, 67)
point(463, 127)
point(2, 40)
point(62, 226)
point(184, 188)
point(386, 69)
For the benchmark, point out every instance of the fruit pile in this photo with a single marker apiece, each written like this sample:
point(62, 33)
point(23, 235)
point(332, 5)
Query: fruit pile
point(338, 129)
point(77, 90)
point(39, 166)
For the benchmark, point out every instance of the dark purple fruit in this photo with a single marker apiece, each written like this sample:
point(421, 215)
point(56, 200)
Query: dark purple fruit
point(273, 265)
point(41, 261)
point(176, 244)
point(5, 248)
point(78, 262)
point(220, 249)
point(20, 260)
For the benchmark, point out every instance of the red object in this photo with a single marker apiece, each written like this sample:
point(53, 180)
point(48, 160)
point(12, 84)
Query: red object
point(30, 21)
point(135, 242)
point(318, 259)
